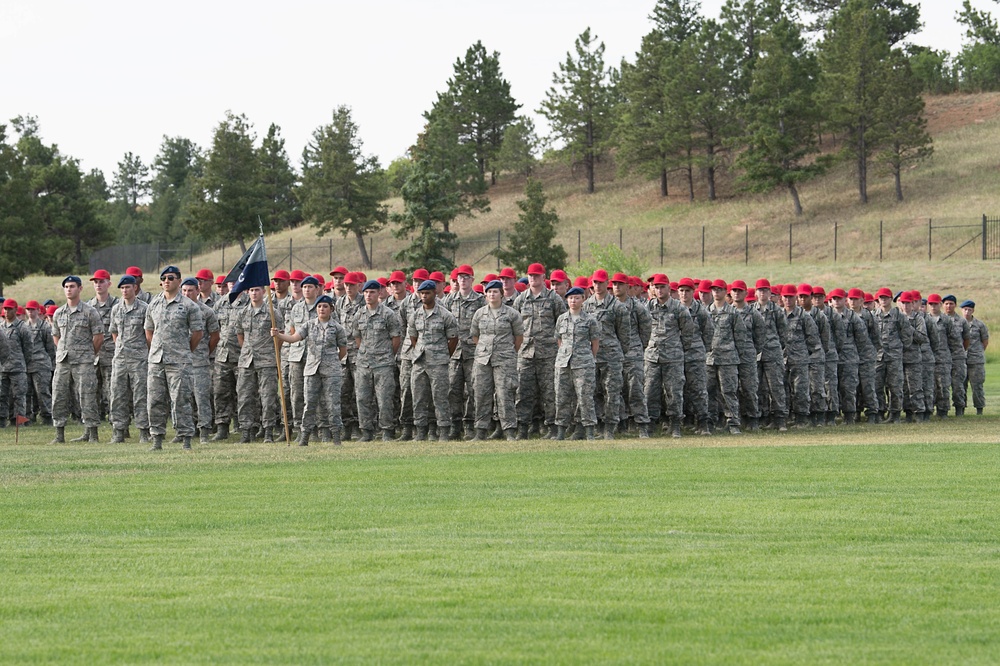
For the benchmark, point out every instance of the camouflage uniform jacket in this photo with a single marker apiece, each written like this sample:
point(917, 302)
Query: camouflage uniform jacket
point(432, 329)
point(407, 307)
point(825, 337)
point(944, 333)
point(640, 328)
point(539, 314)
point(254, 324)
point(728, 335)
point(496, 330)
point(962, 336)
point(870, 353)
point(673, 332)
point(836, 324)
point(928, 350)
point(323, 342)
point(775, 325)
point(143, 296)
point(200, 355)
point(76, 328)
point(104, 309)
point(300, 314)
point(575, 335)
point(895, 333)
point(346, 308)
point(978, 335)
point(699, 350)
point(376, 329)
point(172, 323)
point(464, 308)
point(853, 340)
point(615, 326)
point(802, 341)
point(756, 336)
point(228, 349)
point(918, 337)
point(19, 340)
point(43, 349)
point(129, 324)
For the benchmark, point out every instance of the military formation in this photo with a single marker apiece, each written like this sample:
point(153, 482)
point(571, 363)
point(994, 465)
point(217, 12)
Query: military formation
point(424, 357)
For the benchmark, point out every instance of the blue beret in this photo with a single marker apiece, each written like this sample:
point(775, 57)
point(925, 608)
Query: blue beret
point(493, 284)
point(371, 284)
point(324, 299)
point(524, 280)
point(896, 297)
point(47, 303)
point(968, 304)
point(949, 297)
point(311, 280)
point(190, 282)
point(126, 279)
point(170, 269)
point(428, 285)
point(72, 278)
point(573, 291)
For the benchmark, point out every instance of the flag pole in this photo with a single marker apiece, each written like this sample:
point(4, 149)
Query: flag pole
point(277, 352)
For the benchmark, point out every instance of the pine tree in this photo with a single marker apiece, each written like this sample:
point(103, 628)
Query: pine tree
point(902, 130)
point(531, 239)
point(429, 199)
point(520, 143)
point(277, 181)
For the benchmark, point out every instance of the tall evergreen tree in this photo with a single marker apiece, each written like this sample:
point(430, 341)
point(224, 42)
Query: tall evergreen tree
point(531, 239)
point(277, 181)
point(342, 189)
point(520, 144)
point(899, 19)
point(429, 199)
point(18, 216)
point(902, 130)
point(747, 21)
point(177, 166)
point(579, 105)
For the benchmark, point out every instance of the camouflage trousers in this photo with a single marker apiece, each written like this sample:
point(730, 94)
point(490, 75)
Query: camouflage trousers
point(40, 384)
point(128, 393)
point(771, 389)
point(817, 386)
point(79, 379)
point(927, 369)
point(375, 391)
point(13, 394)
point(496, 382)
point(889, 384)
point(959, 373)
point(696, 389)
point(462, 392)
point(633, 395)
point(169, 385)
point(942, 387)
point(296, 391)
point(104, 384)
point(286, 388)
point(575, 386)
point(723, 392)
point(976, 376)
point(406, 406)
point(664, 385)
point(831, 387)
point(348, 402)
point(609, 379)
point(322, 402)
point(535, 387)
point(868, 388)
point(797, 375)
point(429, 387)
point(749, 390)
point(224, 387)
point(847, 387)
point(913, 387)
point(257, 385)
point(201, 392)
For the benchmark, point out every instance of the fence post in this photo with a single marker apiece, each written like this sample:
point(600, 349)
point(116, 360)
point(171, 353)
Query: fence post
point(836, 228)
point(621, 243)
point(661, 245)
point(371, 253)
point(331, 253)
point(880, 240)
point(498, 247)
point(746, 245)
point(984, 236)
point(289, 254)
point(930, 237)
point(191, 258)
point(703, 245)
point(578, 246)
point(223, 257)
point(789, 242)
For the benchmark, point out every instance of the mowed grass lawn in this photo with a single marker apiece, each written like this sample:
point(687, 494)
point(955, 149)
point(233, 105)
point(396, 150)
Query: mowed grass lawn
point(861, 545)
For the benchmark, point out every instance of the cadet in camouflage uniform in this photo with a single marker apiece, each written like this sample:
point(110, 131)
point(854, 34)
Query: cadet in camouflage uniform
point(326, 346)
point(614, 319)
point(410, 304)
point(78, 333)
point(302, 311)
point(433, 335)
point(975, 361)
point(463, 305)
point(895, 334)
point(771, 373)
point(633, 396)
point(201, 364)
point(817, 361)
point(174, 327)
point(539, 309)
point(673, 332)
point(377, 333)
point(695, 371)
point(103, 302)
point(395, 296)
point(756, 335)
point(227, 354)
point(14, 378)
point(258, 367)
point(848, 336)
point(39, 366)
point(802, 345)
point(498, 332)
point(959, 357)
point(722, 359)
point(928, 354)
point(867, 357)
point(129, 370)
point(830, 382)
point(947, 336)
point(140, 294)
point(913, 372)
point(347, 306)
point(579, 338)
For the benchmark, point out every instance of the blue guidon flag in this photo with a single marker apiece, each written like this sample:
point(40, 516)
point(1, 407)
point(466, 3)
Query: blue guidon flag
point(250, 270)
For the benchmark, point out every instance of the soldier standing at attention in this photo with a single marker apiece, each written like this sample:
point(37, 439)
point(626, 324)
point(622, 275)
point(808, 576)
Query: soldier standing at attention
point(103, 302)
point(633, 393)
point(339, 275)
point(539, 309)
point(347, 306)
point(205, 279)
point(959, 357)
point(867, 357)
point(579, 338)
point(802, 345)
point(913, 372)
point(227, 354)
point(830, 383)
point(39, 366)
point(129, 370)
point(377, 333)
point(463, 305)
point(817, 361)
point(14, 378)
point(433, 335)
point(136, 272)
point(407, 308)
point(673, 332)
point(753, 322)
point(498, 332)
point(854, 338)
point(979, 340)
point(948, 337)
point(895, 334)
point(174, 327)
point(257, 382)
point(301, 310)
point(771, 375)
point(326, 346)
point(613, 317)
point(723, 358)
point(78, 332)
point(201, 361)
point(695, 371)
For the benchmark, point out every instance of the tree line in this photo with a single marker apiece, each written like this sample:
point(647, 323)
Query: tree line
point(752, 92)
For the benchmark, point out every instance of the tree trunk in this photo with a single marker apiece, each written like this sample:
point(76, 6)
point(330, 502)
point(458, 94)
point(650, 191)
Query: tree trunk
point(896, 173)
point(710, 171)
point(365, 259)
point(663, 182)
point(795, 198)
point(690, 174)
point(243, 246)
point(862, 164)
point(588, 158)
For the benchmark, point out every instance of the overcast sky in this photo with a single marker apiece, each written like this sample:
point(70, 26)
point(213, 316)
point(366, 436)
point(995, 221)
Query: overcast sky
point(106, 77)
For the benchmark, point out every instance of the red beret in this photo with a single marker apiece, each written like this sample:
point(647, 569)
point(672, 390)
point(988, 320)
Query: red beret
point(101, 274)
point(205, 274)
point(854, 292)
point(421, 274)
point(738, 284)
point(620, 277)
point(341, 270)
point(281, 274)
point(600, 275)
point(508, 273)
point(536, 269)
point(559, 275)
point(397, 276)
point(763, 283)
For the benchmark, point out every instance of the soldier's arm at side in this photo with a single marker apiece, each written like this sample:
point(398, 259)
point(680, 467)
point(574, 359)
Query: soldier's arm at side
point(518, 339)
point(196, 339)
point(396, 340)
point(98, 341)
point(452, 345)
point(595, 346)
point(213, 341)
point(239, 339)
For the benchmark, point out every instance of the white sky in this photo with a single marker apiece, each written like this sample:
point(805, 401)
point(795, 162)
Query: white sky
point(106, 76)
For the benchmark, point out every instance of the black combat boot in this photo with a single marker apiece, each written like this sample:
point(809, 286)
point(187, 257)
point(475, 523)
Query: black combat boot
point(336, 436)
point(522, 431)
point(221, 432)
point(117, 436)
point(367, 436)
point(157, 443)
point(589, 430)
point(406, 435)
point(388, 435)
point(60, 436)
point(144, 436)
point(421, 435)
point(187, 443)
point(482, 434)
point(510, 434)
point(554, 430)
point(304, 437)
point(560, 433)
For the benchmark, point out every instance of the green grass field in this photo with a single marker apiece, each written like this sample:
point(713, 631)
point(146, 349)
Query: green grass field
point(860, 545)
